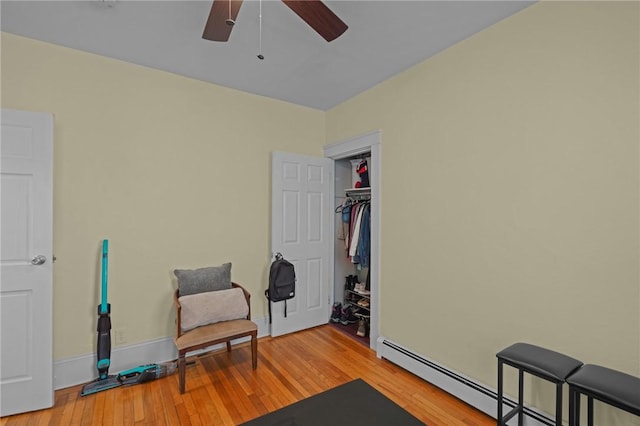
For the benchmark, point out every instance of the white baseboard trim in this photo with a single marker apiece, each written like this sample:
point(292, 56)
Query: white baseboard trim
point(82, 369)
point(476, 394)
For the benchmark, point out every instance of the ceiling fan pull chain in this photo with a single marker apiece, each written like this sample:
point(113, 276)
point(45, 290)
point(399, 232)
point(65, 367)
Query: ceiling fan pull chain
point(230, 21)
point(260, 35)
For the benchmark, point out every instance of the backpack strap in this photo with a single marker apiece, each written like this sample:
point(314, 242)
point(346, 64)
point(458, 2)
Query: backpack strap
point(266, 294)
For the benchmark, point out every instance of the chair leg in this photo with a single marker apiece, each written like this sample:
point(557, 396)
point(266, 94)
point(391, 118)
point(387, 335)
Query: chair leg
point(254, 351)
point(181, 371)
point(228, 345)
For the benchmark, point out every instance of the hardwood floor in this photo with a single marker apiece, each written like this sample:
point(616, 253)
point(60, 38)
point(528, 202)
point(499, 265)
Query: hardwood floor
point(222, 389)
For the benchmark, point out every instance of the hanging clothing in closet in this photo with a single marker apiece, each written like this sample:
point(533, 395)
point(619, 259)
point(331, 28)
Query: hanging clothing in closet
point(343, 230)
point(359, 249)
point(355, 230)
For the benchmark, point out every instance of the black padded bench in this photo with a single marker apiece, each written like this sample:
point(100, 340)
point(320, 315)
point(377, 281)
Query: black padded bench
point(544, 363)
point(609, 386)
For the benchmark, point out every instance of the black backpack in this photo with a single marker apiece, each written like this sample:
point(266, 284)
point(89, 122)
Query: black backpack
point(282, 283)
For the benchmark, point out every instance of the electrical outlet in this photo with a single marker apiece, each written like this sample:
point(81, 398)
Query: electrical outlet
point(121, 336)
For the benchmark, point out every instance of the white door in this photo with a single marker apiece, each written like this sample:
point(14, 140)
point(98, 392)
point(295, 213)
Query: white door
point(300, 230)
point(26, 250)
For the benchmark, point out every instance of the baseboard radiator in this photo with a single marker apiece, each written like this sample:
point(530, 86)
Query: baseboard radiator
point(473, 393)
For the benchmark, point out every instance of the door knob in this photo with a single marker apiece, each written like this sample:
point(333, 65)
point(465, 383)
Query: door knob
point(38, 260)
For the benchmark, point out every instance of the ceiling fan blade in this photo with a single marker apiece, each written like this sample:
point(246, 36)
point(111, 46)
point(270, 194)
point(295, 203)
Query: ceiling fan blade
point(220, 21)
point(319, 17)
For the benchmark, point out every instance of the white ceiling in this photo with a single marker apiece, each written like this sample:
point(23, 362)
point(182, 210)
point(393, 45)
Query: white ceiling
point(384, 38)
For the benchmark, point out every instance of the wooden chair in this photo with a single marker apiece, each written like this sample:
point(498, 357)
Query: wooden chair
point(213, 334)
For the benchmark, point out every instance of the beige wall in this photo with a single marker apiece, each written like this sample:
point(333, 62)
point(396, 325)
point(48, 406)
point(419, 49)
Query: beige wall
point(511, 189)
point(175, 172)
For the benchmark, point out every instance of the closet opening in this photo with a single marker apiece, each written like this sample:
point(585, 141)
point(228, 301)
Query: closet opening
point(352, 308)
point(347, 155)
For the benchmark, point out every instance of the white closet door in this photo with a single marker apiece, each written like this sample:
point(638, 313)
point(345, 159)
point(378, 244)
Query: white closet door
point(300, 230)
point(26, 379)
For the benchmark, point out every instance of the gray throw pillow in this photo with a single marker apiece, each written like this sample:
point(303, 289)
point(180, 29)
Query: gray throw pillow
point(193, 281)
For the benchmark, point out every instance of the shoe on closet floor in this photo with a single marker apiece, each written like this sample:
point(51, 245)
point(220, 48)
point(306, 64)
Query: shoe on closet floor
point(352, 280)
point(335, 313)
point(363, 327)
point(363, 324)
point(346, 316)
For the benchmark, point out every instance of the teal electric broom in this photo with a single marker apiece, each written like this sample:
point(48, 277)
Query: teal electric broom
point(103, 355)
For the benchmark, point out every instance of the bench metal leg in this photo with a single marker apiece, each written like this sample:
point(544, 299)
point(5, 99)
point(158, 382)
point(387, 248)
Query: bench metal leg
point(520, 397)
point(519, 409)
point(500, 397)
point(559, 404)
point(589, 411)
point(574, 407)
point(504, 418)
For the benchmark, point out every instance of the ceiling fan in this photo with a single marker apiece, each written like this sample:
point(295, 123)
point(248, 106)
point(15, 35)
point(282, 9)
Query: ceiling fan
point(314, 12)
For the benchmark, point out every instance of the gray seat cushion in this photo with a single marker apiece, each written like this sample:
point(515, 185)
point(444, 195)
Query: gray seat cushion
point(542, 362)
point(609, 385)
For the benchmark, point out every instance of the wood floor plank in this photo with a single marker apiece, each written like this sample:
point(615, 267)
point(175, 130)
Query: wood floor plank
point(78, 410)
point(223, 389)
point(127, 405)
point(117, 413)
point(230, 393)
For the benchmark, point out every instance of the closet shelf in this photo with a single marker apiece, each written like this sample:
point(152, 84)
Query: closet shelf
point(356, 298)
point(358, 193)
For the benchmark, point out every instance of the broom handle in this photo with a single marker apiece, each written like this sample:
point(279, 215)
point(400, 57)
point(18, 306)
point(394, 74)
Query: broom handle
point(105, 261)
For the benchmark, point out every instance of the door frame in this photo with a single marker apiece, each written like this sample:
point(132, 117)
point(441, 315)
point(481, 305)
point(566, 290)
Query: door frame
point(368, 142)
